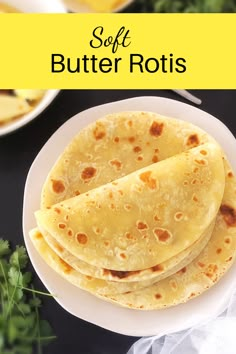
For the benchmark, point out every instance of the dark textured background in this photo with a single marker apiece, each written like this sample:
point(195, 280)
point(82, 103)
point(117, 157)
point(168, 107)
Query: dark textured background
point(17, 152)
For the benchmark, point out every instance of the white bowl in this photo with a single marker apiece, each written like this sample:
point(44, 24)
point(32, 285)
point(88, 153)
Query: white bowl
point(86, 306)
point(40, 6)
point(26, 118)
point(74, 6)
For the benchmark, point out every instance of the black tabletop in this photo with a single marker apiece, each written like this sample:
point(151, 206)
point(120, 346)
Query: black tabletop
point(17, 152)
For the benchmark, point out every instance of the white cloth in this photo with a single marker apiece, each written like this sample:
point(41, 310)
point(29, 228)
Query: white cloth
point(217, 336)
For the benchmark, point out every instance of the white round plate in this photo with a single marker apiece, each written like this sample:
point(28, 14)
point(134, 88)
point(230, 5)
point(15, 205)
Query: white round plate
point(26, 118)
point(79, 302)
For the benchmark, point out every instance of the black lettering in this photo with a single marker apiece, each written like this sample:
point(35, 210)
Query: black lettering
point(184, 68)
point(55, 62)
point(156, 65)
point(133, 62)
point(94, 45)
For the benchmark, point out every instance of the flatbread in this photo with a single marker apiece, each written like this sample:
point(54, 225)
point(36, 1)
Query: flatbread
point(153, 274)
point(115, 146)
point(155, 204)
point(95, 285)
point(206, 270)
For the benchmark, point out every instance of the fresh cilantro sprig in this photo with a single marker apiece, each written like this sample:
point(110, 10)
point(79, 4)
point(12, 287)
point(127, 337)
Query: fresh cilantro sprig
point(21, 328)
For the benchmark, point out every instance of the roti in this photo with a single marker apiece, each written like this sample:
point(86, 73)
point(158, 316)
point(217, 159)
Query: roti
point(164, 209)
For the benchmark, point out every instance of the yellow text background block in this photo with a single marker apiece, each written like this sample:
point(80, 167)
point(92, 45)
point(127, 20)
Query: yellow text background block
point(205, 41)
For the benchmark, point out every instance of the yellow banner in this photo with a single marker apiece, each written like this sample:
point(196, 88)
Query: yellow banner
point(126, 51)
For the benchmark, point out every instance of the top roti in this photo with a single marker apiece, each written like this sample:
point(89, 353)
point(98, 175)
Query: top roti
point(115, 146)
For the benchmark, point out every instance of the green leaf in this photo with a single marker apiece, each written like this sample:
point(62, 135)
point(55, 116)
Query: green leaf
point(4, 247)
point(19, 258)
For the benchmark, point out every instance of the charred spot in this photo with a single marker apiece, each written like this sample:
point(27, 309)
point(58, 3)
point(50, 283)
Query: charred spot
point(116, 139)
point(145, 177)
point(156, 129)
point(88, 173)
point(58, 186)
point(70, 233)
point(193, 140)
point(123, 274)
point(154, 159)
point(61, 225)
point(99, 132)
point(227, 240)
point(201, 265)
point(183, 270)
point(82, 238)
point(230, 174)
point(131, 139)
point(116, 163)
point(229, 259)
point(158, 296)
point(157, 268)
point(141, 225)
point(192, 294)
point(137, 149)
point(219, 250)
point(57, 210)
point(229, 215)
point(162, 235)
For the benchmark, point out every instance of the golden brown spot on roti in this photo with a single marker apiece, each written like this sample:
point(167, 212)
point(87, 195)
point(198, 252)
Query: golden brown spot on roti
point(193, 140)
point(38, 235)
point(141, 225)
point(178, 216)
point(123, 274)
point(156, 129)
point(112, 206)
point(148, 181)
point(194, 181)
point(59, 248)
point(156, 150)
point(201, 265)
point(185, 183)
point(158, 296)
point(200, 162)
point(70, 233)
point(81, 238)
point(156, 218)
point(154, 159)
point(131, 139)
point(192, 294)
point(57, 210)
point(203, 152)
point(129, 236)
point(121, 192)
point(219, 250)
point(229, 215)
point(116, 163)
point(173, 284)
point(140, 158)
point(183, 270)
point(157, 268)
point(114, 183)
point(67, 217)
point(77, 192)
point(130, 123)
point(195, 199)
point(48, 207)
point(99, 132)
point(58, 186)
point(123, 255)
point(127, 207)
point(106, 243)
point(116, 139)
point(137, 149)
point(66, 267)
point(88, 173)
point(227, 240)
point(88, 277)
point(61, 225)
point(110, 195)
point(230, 174)
point(195, 169)
point(162, 235)
point(211, 271)
point(229, 259)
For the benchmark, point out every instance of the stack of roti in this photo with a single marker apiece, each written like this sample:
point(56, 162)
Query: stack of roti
point(139, 210)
